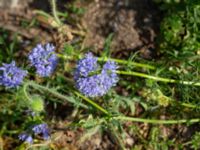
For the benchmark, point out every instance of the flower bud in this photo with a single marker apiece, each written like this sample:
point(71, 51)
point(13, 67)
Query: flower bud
point(37, 104)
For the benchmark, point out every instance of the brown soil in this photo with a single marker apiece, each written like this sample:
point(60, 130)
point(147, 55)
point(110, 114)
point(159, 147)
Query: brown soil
point(134, 24)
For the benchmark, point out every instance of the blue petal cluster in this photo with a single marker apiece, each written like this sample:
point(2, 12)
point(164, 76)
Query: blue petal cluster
point(86, 65)
point(99, 83)
point(44, 59)
point(26, 137)
point(109, 69)
point(41, 129)
point(11, 76)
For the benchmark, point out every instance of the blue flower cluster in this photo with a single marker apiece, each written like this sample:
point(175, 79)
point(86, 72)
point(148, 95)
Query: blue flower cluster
point(37, 129)
point(11, 76)
point(86, 66)
point(42, 129)
point(26, 137)
point(44, 59)
point(93, 81)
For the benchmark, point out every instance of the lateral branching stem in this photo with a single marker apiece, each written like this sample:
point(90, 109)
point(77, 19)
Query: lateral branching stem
point(122, 118)
point(53, 92)
point(166, 80)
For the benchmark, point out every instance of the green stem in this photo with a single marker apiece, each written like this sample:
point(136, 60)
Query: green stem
point(154, 121)
point(189, 105)
point(92, 103)
point(167, 80)
point(55, 93)
point(46, 15)
point(119, 61)
point(11, 131)
point(26, 93)
point(125, 62)
point(54, 11)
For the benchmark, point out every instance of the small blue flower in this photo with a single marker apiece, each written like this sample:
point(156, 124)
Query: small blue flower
point(86, 65)
point(100, 82)
point(42, 129)
point(11, 76)
point(44, 59)
point(26, 137)
point(91, 86)
point(109, 68)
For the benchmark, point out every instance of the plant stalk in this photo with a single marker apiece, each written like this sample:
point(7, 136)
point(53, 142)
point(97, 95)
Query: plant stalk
point(167, 80)
point(119, 61)
point(92, 103)
point(54, 11)
point(125, 62)
point(155, 121)
point(55, 93)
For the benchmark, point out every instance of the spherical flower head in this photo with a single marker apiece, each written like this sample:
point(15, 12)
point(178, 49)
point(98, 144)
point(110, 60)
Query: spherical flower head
point(98, 84)
point(42, 129)
point(11, 76)
point(44, 59)
point(26, 137)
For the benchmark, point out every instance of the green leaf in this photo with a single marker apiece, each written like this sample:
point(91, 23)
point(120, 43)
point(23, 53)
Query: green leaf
point(68, 49)
point(106, 52)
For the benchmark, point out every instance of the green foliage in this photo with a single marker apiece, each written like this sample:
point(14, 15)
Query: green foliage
point(180, 30)
point(106, 52)
point(179, 45)
point(195, 142)
point(76, 10)
point(7, 47)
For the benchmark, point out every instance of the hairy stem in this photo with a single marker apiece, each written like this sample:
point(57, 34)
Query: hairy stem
point(92, 103)
point(167, 80)
point(53, 92)
point(25, 87)
point(54, 11)
point(119, 61)
point(126, 62)
point(154, 121)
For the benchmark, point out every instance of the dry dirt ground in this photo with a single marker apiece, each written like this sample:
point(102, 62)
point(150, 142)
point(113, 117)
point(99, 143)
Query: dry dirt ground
point(133, 23)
